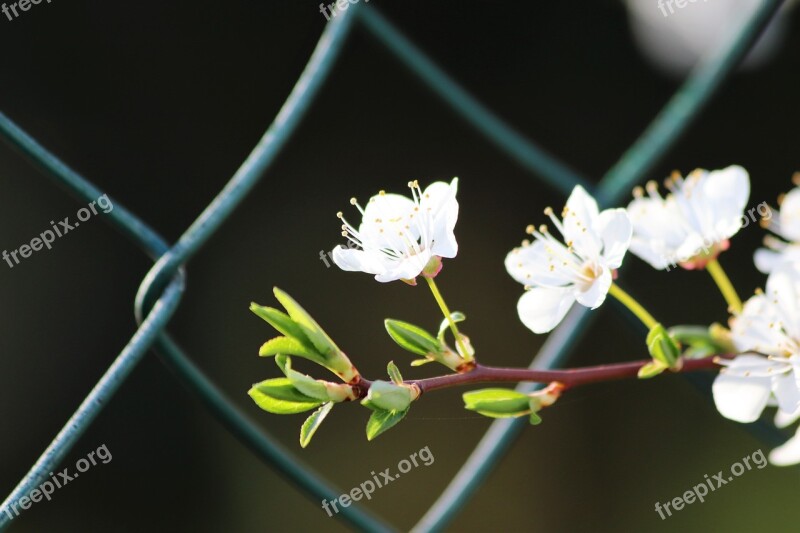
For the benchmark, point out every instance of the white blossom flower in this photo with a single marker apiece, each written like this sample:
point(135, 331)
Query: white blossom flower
point(556, 276)
point(786, 226)
point(691, 225)
point(769, 329)
point(400, 237)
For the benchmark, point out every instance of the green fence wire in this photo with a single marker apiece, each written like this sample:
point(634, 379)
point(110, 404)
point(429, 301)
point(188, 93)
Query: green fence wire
point(160, 292)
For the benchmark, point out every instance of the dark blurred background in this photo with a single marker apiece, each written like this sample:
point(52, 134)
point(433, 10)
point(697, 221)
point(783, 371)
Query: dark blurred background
point(159, 102)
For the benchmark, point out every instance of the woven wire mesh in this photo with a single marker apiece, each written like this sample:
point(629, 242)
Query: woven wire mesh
point(161, 290)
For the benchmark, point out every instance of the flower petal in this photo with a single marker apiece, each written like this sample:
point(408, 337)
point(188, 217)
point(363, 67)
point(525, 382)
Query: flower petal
point(723, 200)
point(407, 268)
point(766, 260)
point(742, 398)
point(542, 309)
point(658, 231)
point(595, 294)
point(784, 386)
point(580, 223)
point(784, 419)
point(615, 231)
point(530, 265)
point(788, 453)
point(783, 287)
point(790, 215)
point(354, 260)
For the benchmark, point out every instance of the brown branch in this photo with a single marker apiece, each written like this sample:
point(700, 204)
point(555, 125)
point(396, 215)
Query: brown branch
point(568, 378)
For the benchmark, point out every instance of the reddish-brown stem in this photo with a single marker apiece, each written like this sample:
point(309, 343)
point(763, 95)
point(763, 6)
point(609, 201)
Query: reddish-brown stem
point(568, 378)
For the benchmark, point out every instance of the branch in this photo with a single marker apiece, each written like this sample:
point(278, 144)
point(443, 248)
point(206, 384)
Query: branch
point(568, 378)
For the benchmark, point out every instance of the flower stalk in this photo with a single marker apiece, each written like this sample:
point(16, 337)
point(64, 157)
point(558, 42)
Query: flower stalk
point(725, 286)
point(437, 295)
point(635, 307)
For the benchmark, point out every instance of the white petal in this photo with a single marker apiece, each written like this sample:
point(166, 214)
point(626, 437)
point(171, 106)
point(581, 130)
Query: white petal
point(766, 260)
point(580, 223)
point(596, 293)
point(725, 193)
point(741, 398)
point(530, 265)
point(788, 453)
point(615, 231)
point(357, 260)
point(384, 216)
point(543, 309)
point(652, 254)
point(783, 418)
point(439, 196)
point(790, 215)
point(408, 268)
point(658, 231)
point(783, 286)
point(784, 386)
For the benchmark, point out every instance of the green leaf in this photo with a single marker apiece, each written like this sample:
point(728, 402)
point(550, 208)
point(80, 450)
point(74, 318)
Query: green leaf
point(457, 317)
point(310, 328)
point(280, 397)
point(289, 346)
point(302, 382)
point(280, 321)
point(412, 338)
point(662, 347)
point(384, 395)
point(691, 334)
point(701, 341)
point(394, 373)
point(420, 362)
point(380, 420)
point(497, 403)
point(652, 369)
point(535, 419)
point(312, 423)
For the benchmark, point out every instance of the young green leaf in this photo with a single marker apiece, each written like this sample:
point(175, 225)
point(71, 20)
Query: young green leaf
point(302, 382)
point(280, 321)
point(290, 346)
point(312, 423)
point(381, 420)
point(497, 403)
point(412, 338)
point(388, 396)
point(662, 347)
point(691, 334)
point(280, 397)
point(394, 373)
point(457, 317)
point(310, 328)
point(651, 369)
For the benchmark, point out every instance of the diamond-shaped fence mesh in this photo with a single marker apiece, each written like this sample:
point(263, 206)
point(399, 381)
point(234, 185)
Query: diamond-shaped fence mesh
point(161, 290)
